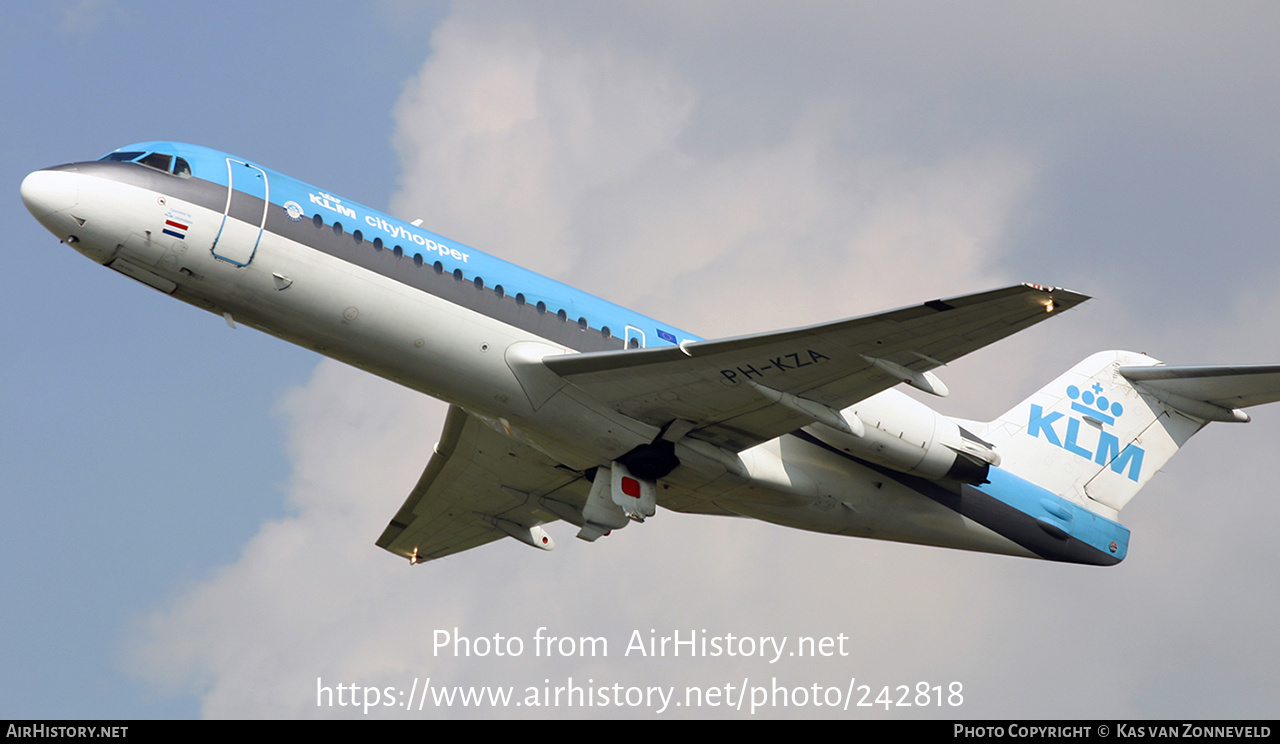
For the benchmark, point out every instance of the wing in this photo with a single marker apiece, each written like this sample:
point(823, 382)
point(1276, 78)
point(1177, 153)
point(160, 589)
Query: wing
point(480, 485)
point(739, 392)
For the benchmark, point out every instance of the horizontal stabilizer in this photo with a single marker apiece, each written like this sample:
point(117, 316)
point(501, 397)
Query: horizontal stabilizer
point(1212, 393)
point(1098, 433)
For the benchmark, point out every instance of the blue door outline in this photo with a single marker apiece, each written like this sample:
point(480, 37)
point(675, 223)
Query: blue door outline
point(237, 241)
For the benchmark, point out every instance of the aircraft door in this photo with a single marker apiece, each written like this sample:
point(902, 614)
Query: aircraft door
point(634, 337)
point(248, 195)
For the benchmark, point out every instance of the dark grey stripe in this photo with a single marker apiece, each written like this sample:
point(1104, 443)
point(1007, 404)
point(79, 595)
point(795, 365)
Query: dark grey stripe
point(195, 190)
point(462, 292)
point(989, 512)
point(402, 269)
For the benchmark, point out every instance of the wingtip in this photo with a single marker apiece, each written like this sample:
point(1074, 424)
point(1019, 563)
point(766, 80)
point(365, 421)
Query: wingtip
point(1059, 298)
point(1054, 290)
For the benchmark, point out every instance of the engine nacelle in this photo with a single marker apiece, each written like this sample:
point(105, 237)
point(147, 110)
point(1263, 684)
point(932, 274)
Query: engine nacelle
point(906, 435)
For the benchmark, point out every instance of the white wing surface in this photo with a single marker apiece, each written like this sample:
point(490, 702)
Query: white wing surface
point(738, 392)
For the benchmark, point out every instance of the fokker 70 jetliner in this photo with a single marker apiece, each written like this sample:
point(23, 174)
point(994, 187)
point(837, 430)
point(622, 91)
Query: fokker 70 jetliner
point(565, 406)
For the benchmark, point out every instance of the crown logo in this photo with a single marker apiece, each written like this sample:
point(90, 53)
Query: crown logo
point(1094, 405)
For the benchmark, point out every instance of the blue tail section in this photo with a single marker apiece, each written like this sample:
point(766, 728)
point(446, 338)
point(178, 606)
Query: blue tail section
point(1044, 523)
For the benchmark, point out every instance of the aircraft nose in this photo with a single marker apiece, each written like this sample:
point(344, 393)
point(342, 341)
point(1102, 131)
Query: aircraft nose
point(46, 192)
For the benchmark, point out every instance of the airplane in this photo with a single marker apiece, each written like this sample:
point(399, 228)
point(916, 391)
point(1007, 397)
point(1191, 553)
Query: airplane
point(564, 406)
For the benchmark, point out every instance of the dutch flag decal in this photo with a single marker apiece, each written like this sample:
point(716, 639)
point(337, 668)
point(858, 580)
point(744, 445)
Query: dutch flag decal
point(176, 229)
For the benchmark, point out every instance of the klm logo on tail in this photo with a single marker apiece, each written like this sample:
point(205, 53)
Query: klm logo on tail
point(1099, 411)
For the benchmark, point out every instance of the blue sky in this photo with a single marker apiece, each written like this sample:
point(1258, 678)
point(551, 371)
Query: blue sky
point(83, 79)
point(188, 511)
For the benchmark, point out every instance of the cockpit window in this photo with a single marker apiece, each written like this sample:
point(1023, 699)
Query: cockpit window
point(158, 160)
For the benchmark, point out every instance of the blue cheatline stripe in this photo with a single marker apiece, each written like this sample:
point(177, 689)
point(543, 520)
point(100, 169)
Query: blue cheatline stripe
point(473, 264)
point(1053, 512)
point(1037, 519)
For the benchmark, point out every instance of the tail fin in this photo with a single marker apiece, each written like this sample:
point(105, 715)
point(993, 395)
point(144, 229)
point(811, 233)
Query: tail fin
point(1097, 434)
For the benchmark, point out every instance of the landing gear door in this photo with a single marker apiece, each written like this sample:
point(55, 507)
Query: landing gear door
point(248, 195)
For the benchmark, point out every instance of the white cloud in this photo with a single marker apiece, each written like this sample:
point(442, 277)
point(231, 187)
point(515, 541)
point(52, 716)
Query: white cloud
point(572, 157)
point(503, 133)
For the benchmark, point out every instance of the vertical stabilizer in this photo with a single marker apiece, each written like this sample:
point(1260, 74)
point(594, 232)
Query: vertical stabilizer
point(1093, 435)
